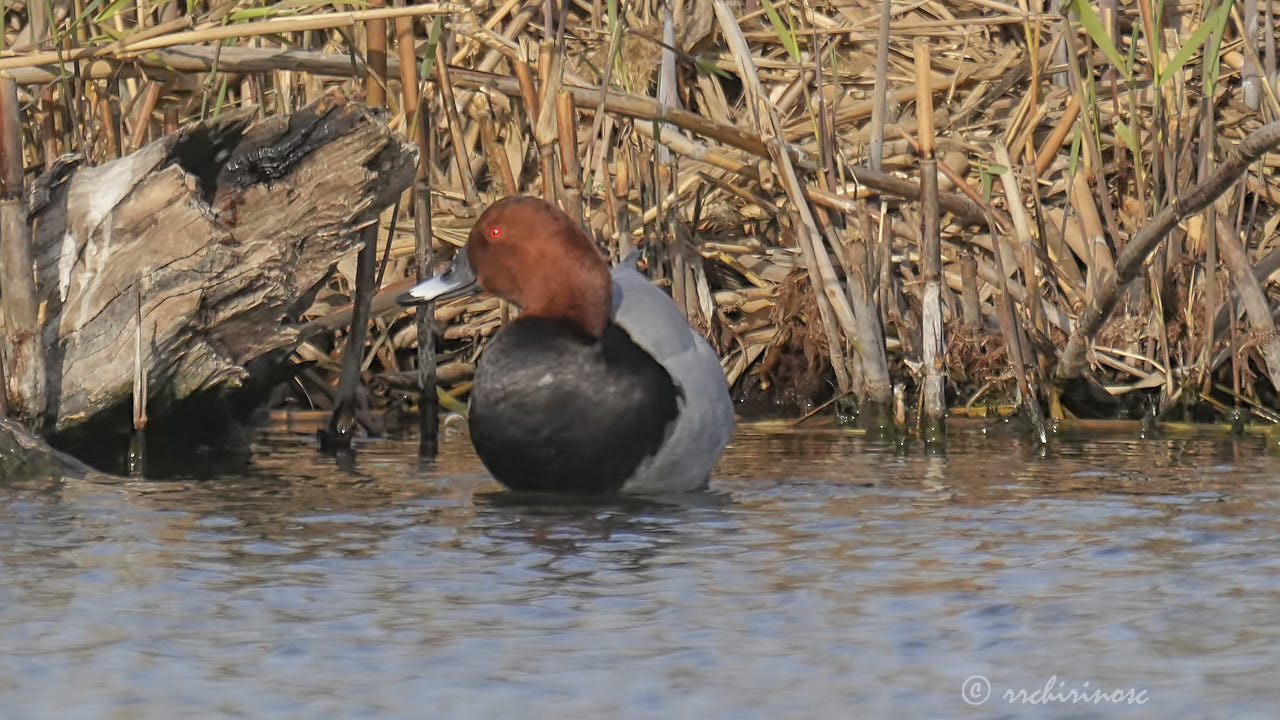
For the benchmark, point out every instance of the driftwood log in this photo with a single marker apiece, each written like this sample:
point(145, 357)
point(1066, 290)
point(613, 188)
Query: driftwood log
point(25, 456)
point(215, 237)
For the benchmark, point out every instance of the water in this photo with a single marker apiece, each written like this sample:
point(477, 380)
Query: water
point(826, 575)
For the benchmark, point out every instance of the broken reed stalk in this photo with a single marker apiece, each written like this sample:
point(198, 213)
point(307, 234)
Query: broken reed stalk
point(1097, 252)
point(1013, 337)
point(932, 355)
point(4, 386)
point(139, 366)
point(1022, 230)
point(416, 119)
point(622, 216)
point(461, 156)
point(525, 88)
point(1053, 143)
point(375, 94)
point(143, 119)
point(46, 109)
point(1250, 80)
point(109, 122)
point(971, 305)
point(875, 146)
point(1133, 257)
point(1253, 298)
point(596, 149)
point(1204, 169)
point(345, 412)
point(876, 384)
point(545, 130)
point(424, 325)
point(499, 166)
point(571, 167)
point(25, 345)
point(832, 303)
point(137, 456)
point(1269, 43)
point(349, 400)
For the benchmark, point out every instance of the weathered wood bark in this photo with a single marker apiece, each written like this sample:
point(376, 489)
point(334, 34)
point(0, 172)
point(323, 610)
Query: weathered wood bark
point(216, 232)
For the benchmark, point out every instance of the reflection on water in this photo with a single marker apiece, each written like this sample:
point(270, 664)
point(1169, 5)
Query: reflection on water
point(826, 575)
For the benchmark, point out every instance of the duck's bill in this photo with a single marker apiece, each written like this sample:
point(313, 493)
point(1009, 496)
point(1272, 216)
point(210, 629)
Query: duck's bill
point(457, 280)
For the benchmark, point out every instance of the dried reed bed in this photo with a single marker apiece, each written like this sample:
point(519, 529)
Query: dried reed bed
point(767, 155)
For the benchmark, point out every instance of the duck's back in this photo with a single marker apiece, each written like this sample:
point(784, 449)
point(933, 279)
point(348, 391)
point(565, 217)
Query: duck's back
point(555, 410)
point(705, 422)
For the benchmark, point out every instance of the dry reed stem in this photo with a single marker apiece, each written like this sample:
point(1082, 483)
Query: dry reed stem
point(1022, 231)
point(932, 343)
point(23, 346)
point(237, 31)
point(1251, 296)
point(1135, 252)
point(832, 303)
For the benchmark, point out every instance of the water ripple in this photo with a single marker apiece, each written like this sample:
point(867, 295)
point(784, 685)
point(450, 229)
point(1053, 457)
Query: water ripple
point(823, 575)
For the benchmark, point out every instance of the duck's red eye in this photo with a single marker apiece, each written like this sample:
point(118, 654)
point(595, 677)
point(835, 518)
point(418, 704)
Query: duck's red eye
point(495, 232)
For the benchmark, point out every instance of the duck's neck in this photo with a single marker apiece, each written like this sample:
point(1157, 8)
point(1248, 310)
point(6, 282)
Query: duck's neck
point(580, 297)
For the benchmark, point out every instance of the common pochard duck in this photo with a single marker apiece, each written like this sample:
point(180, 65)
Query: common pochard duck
point(600, 384)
